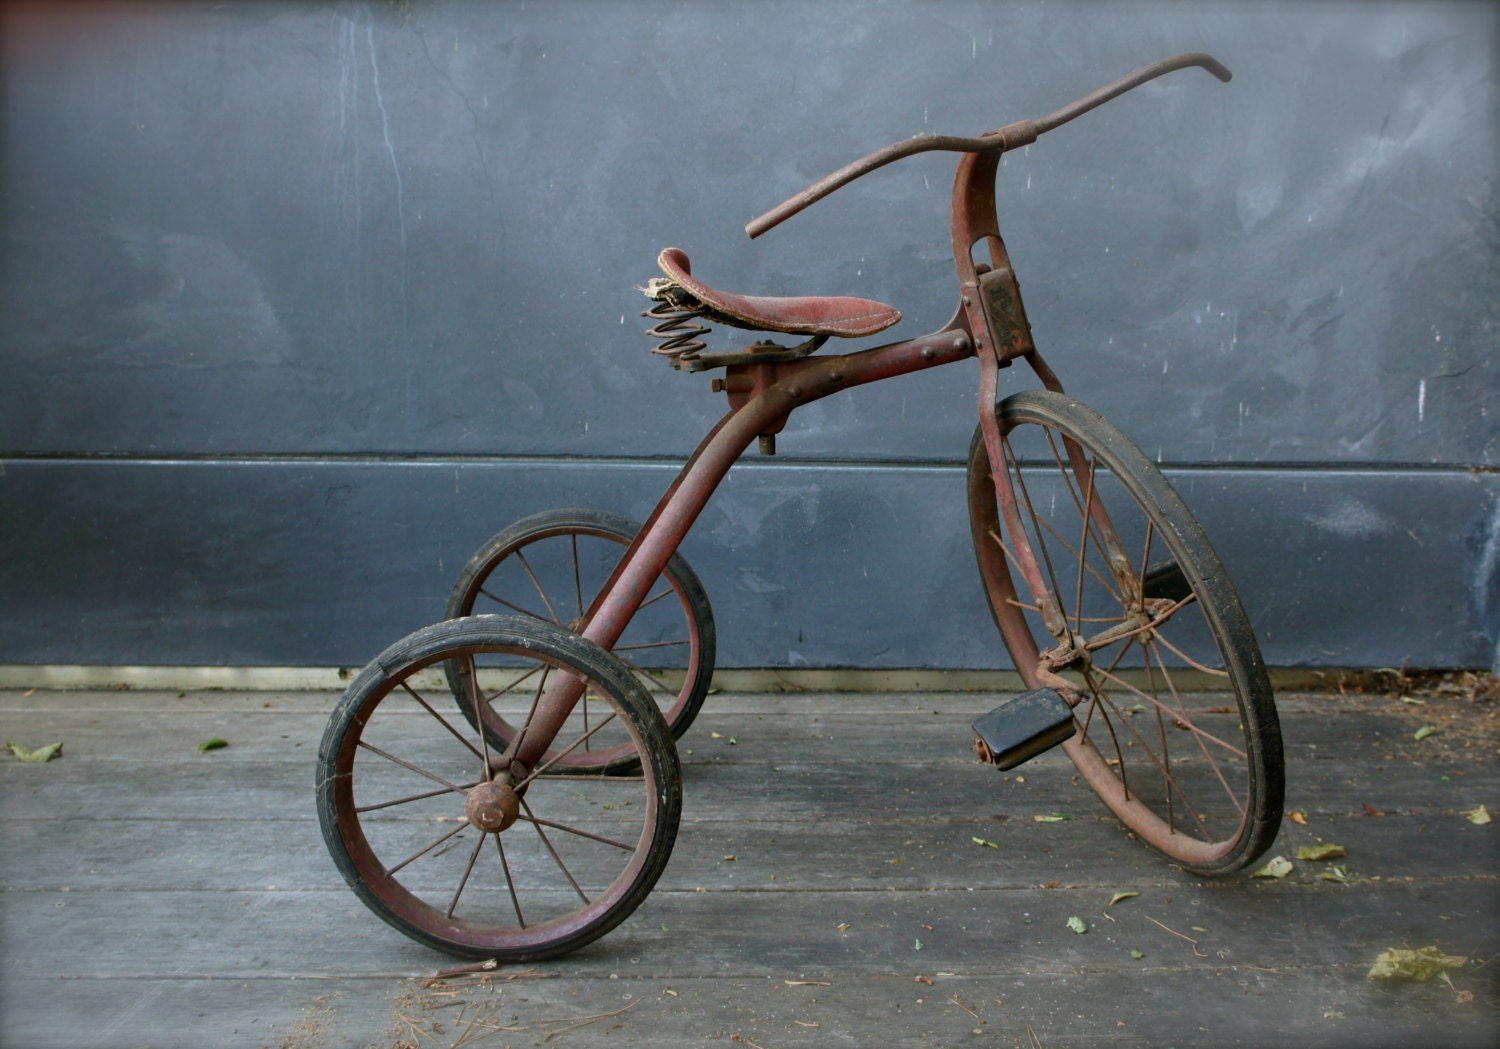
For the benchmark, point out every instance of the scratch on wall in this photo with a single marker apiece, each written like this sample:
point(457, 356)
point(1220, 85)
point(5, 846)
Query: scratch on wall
point(385, 128)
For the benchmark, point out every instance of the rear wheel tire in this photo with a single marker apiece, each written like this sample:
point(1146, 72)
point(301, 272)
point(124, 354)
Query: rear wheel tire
point(549, 567)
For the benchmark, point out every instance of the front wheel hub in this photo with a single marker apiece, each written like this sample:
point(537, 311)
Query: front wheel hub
point(492, 807)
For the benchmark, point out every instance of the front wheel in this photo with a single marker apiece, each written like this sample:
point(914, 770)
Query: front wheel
point(463, 849)
point(1137, 615)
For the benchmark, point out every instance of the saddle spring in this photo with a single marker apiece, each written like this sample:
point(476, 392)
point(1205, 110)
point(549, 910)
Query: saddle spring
point(674, 313)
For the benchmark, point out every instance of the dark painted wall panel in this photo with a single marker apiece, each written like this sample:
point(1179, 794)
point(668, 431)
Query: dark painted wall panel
point(805, 564)
point(364, 214)
point(319, 230)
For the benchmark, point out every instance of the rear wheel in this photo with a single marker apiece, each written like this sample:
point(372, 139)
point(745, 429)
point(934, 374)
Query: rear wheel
point(468, 852)
point(1146, 631)
point(549, 567)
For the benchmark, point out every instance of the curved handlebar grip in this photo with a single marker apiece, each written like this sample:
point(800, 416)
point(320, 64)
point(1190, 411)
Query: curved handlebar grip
point(1008, 137)
point(1134, 80)
point(1012, 136)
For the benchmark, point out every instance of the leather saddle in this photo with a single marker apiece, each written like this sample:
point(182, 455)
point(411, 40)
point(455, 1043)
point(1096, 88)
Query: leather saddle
point(836, 315)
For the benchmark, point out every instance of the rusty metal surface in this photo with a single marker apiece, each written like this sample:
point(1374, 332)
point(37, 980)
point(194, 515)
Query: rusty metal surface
point(1011, 136)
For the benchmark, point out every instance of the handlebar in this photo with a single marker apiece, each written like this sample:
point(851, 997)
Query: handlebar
point(1012, 136)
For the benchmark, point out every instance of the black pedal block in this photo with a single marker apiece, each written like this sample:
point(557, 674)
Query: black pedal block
point(1166, 580)
point(1021, 728)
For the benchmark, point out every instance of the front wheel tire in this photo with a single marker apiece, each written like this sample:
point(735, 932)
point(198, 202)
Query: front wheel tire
point(1147, 630)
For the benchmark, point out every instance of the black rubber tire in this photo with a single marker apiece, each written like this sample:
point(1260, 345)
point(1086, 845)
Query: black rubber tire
point(1050, 435)
point(565, 600)
point(551, 890)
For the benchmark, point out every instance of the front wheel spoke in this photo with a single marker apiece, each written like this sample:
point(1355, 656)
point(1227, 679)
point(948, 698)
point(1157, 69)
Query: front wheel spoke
point(1161, 734)
point(1182, 717)
point(1140, 582)
point(424, 851)
point(531, 817)
point(579, 832)
point(408, 765)
point(468, 870)
point(1163, 769)
point(1069, 471)
point(1202, 747)
point(1099, 703)
point(1083, 565)
point(1109, 637)
point(1037, 524)
point(1107, 583)
point(1215, 671)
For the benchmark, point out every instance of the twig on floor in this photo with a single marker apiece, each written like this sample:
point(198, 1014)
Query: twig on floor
point(1179, 935)
point(488, 965)
point(583, 1021)
point(480, 973)
point(488, 1023)
point(417, 1028)
point(954, 999)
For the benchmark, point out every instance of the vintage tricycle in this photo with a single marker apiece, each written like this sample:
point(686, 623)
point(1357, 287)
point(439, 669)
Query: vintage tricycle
point(505, 783)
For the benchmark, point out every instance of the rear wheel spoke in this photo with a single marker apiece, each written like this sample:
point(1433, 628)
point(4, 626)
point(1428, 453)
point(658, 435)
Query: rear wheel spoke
point(575, 855)
point(473, 856)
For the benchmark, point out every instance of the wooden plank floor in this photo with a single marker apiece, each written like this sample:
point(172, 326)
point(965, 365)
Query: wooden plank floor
point(153, 895)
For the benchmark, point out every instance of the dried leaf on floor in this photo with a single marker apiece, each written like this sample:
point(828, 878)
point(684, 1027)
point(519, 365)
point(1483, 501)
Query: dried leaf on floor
point(985, 842)
point(213, 744)
point(39, 756)
point(1479, 816)
point(1337, 873)
point(1058, 817)
point(1078, 925)
point(1117, 897)
point(1279, 867)
point(1397, 965)
point(1423, 732)
point(1329, 851)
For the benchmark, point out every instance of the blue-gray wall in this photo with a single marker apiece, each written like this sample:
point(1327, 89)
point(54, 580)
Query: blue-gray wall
point(302, 301)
